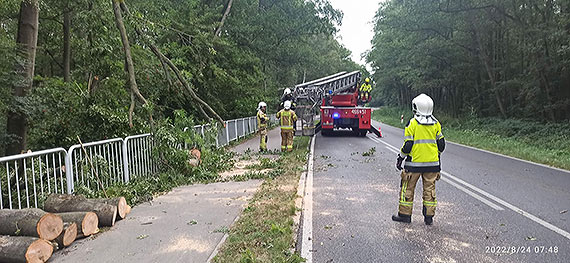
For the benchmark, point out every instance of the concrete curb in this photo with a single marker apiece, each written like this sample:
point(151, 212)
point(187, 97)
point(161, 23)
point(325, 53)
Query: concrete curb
point(299, 206)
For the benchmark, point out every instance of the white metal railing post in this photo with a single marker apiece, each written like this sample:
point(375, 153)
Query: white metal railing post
point(236, 124)
point(185, 143)
point(227, 132)
point(125, 161)
point(68, 173)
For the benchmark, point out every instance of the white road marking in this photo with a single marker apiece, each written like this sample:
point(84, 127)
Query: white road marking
point(465, 190)
point(512, 207)
point(307, 232)
point(474, 195)
point(392, 150)
point(500, 201)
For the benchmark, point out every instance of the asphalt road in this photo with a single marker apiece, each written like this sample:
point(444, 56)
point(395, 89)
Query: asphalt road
point(490, 208)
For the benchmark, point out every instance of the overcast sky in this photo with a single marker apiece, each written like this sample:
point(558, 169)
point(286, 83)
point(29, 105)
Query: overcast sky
point(356, 31)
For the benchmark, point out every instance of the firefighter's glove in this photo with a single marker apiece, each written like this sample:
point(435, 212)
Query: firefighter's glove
point(399, 162)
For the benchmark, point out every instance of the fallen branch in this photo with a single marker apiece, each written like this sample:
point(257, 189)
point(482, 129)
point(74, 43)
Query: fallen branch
point(175, 69)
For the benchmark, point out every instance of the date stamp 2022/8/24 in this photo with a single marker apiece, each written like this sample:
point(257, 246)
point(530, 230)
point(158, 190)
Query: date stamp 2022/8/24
point(509, 250)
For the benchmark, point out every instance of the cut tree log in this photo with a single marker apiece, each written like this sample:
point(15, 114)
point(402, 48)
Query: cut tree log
point(128, 209)
point(24, 249)
point(30, 222)
point(67, 236)
point(59, 203)
point(86, 222)
point(120, 202)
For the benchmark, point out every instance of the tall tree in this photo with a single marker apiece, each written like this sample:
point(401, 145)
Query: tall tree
point(129, 65)
point(27, 38)
point(67, 43)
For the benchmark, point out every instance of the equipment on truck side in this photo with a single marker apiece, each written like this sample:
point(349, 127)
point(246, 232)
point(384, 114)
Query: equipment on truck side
point(336, 98)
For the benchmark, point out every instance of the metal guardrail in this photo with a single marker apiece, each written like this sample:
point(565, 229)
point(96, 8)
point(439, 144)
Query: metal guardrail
point(27, 179)
point(105, 156)
point(237, 129)
point(137, 151)
point(31, 177)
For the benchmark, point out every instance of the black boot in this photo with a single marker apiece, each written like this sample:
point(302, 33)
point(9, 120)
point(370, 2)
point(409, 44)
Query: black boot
point(428, 220)
point(402, 218)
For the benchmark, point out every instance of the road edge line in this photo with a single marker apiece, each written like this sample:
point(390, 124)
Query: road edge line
point(307, 230)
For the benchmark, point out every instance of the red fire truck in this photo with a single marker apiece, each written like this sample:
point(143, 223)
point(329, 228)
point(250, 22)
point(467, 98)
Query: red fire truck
point(337, 97)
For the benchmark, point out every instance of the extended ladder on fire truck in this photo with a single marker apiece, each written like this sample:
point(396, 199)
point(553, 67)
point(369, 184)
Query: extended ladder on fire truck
point(314, 91)
point(312, 95)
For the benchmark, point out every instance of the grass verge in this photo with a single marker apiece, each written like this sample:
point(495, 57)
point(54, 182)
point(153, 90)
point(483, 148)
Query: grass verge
point(546, 143)
point(264, 232)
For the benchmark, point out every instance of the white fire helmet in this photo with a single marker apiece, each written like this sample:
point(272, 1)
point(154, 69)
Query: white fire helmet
point(422, 106)
point(287, 91)
point(287, 105)
point(261, 105)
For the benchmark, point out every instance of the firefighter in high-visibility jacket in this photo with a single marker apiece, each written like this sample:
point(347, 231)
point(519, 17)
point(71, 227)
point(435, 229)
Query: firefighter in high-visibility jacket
point(365, 90)
point(423, 145)
point(262, 125)
point(286, 118)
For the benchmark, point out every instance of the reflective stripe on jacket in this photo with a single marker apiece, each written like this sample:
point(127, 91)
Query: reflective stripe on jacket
point(366, 87)
point(424, 153)
point(287, 118)
point(261, 119)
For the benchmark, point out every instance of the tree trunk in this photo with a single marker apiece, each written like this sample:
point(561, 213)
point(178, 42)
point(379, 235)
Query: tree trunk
point(128, 58)
point(30, 222)
point(67, 236)
point(24, 249)
point(70, 203)
point(226, 13)
point(86, 222)
point(127, 49)
point(27, 40)
point(67, 45)
point(128, 209)
point(485, 60)
point(119, 202)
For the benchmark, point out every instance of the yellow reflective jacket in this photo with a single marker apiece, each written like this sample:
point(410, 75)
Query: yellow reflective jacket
point(287, 118)
point(423, 144)
point(366, 87)
point(261, 120)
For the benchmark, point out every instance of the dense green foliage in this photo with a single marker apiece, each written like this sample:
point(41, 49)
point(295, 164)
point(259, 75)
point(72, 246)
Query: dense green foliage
point(477, 57)
point(529, 140)
point(264, 46)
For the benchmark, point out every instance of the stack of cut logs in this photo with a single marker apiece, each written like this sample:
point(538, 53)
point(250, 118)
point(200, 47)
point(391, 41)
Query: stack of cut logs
point(31, 235)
